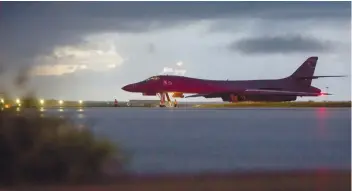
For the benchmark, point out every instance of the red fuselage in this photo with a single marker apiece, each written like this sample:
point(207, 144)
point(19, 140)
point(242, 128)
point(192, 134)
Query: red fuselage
point(175, 84)
point(285, 89)
point(165, 83)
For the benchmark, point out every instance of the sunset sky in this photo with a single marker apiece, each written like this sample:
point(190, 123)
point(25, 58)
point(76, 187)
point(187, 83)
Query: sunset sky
point(89, 50)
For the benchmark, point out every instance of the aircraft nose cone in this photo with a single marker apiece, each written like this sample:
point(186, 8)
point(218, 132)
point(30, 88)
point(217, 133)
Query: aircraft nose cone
point(127, 88)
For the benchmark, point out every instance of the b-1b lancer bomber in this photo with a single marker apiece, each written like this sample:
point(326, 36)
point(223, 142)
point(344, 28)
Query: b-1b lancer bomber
point(270, 90)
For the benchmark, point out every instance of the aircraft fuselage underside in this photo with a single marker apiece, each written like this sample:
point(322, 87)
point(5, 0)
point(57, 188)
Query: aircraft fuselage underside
point(165, 100)
point(257, 98)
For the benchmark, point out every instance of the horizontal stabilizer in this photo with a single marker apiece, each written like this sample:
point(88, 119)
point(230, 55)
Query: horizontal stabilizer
point(325, 94)
point(316, 77)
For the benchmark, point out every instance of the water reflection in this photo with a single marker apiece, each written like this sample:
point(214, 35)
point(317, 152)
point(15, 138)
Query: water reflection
point(321, 114)
point(80, 116)
point(207, 139)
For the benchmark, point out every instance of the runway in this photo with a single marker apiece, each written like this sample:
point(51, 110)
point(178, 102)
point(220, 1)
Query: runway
point(179, 140)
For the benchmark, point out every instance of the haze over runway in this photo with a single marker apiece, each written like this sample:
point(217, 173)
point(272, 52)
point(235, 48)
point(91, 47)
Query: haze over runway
point(89, 50)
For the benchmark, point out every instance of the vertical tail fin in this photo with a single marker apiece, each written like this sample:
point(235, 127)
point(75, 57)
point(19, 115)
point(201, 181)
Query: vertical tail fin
point(306, 70)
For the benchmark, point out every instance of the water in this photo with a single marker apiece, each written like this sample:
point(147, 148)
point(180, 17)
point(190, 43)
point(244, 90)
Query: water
point(201, 140)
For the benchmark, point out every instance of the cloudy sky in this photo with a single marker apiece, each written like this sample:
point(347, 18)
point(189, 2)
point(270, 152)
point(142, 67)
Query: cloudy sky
point(89, 50)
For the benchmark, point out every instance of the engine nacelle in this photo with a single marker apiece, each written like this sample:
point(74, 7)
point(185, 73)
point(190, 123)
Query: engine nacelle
point(149, 94)
point(178, 94)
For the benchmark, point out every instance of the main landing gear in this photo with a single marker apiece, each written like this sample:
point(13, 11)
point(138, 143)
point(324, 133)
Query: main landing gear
point(163, 103)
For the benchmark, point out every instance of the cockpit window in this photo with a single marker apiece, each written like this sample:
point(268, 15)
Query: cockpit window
point(154, 78)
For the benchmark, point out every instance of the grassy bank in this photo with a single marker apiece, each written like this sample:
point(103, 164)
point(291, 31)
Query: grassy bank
point(50, 150)
point(263, 181)
point(276, 104)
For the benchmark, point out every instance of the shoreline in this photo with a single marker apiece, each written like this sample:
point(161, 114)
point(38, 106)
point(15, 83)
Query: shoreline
point(323, 179)
point(330, 104)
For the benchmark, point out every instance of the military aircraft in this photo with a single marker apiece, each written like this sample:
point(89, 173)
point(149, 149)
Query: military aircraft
point(272, 90)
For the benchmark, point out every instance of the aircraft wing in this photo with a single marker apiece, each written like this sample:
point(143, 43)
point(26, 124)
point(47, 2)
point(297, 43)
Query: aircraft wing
point(263, 92)
point(316, 77)
point(280, 93)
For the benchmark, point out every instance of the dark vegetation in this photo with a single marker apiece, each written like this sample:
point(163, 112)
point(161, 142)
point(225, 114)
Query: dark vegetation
point(49, 150)
point(37, 150)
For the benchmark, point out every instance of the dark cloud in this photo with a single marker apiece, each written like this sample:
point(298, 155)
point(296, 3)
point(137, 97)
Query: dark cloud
point(88, 17)
point(280, 44)
point(31, 28)
point(176, 10)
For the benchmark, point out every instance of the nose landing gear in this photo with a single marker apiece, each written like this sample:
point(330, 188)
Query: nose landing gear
point(169, 103)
